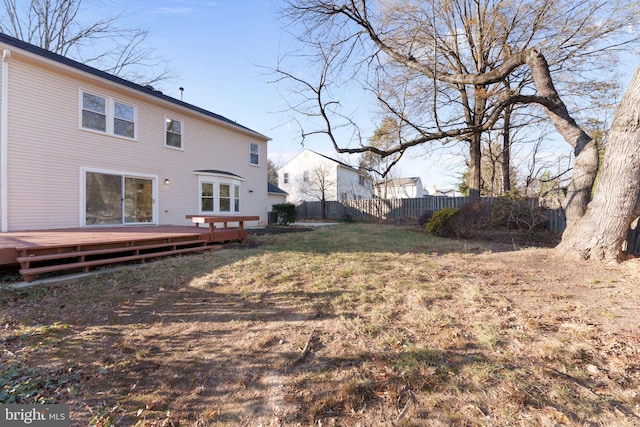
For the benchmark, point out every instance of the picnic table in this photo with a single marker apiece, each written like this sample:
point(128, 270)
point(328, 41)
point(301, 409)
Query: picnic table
point(221, 234)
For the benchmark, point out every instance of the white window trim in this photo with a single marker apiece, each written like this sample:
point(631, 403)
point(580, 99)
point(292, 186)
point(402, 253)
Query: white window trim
point(110, 114)
point(182, 132)
point(113, 117)
point(216, 180)
point(251, 152)
point(83, 192)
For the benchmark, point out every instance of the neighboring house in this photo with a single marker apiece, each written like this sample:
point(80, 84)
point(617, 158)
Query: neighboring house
point(441, 192)
point(399, 188)
point(82, 148)
point(276, 196)
point(311, 176)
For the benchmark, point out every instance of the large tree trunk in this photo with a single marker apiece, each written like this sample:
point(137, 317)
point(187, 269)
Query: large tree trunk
point(475, 155)
point(475, 141)
point(585, 148)
point(506, 151)
point(600, 233)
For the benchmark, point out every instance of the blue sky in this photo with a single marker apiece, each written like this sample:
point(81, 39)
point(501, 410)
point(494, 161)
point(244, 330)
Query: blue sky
point(221, 52)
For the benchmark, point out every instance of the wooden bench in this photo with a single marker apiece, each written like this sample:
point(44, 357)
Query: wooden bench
point(226, 233)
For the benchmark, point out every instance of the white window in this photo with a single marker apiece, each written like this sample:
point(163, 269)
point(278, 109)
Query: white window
point(254, 154)
point(219, 193)
point(104, 114)
point(206, 197)
point(94, 112)
point(286, 178)
point(305, 176)
point(124, 120)
point(173, 133)
point(225, 198)
point(236, 198)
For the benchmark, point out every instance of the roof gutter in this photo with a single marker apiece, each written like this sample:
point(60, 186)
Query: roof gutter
point(4, 141)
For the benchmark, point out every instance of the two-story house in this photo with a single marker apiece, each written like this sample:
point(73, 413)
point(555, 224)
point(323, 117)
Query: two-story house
point(83, 148)
point(311, 176)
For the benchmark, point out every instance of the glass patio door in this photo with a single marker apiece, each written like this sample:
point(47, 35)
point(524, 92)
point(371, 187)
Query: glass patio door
point(138, 200)
point(113, 199)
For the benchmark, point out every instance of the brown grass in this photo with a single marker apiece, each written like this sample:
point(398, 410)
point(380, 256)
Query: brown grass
point(402, 329)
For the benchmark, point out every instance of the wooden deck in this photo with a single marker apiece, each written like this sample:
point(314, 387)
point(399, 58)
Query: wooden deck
point(46, 251)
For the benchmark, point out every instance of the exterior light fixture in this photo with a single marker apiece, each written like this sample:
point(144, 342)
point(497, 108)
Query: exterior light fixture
point(167, 181)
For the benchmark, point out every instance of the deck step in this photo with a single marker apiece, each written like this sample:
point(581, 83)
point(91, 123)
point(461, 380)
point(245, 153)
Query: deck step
point(76, 259)
point(81, 253)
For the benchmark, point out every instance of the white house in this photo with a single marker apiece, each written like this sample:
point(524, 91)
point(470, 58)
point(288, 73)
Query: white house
point(447, 192)
point(399, 188)
point(311, 176)
point(276, 196)
point(82, 148)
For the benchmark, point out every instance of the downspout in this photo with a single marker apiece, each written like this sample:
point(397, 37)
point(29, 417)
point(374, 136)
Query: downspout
point(4, 140)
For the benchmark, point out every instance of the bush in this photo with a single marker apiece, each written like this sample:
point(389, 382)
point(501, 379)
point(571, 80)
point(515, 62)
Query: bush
point(472, 216)
point(516, 212)
point(441, 222)
point(424, 218)
point(511, 212)
point(284, 213)
point(346, 218)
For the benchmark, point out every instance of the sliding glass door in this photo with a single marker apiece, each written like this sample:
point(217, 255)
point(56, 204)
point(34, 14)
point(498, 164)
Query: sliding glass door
point(114, 199)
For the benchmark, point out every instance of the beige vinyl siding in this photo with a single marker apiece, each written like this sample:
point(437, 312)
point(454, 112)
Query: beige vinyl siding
point(275, 199)
point(47, 150)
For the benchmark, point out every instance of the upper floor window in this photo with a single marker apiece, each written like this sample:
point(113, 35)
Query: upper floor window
point(94, 112)
point(286, 177)
point(173, 133)
point(104, 114)
point(305, 176)
point(361, 179)
point(124, 120)
point(254, 154)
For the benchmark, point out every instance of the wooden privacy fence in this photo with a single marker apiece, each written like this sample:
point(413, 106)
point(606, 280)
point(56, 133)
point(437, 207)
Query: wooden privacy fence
point(408, 209)
point(377, 209)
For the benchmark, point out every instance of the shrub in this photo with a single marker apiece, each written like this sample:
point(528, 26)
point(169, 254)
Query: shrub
point(441, 222)
point(472, 216)
point(285, 213)
point(424, 218)
point(346, 218)
point(507, 212)
point(516, 212)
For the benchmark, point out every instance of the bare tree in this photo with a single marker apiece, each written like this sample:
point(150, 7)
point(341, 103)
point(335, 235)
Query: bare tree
point(318, 183)
point(272, 172)
point(454, 56)
point(60, 27)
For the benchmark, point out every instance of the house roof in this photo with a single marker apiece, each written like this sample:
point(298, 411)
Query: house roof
point(275, 189)
point(217, 172)
point(148, 90)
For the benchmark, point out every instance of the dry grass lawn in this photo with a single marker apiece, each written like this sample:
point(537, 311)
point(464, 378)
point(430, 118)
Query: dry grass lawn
point(347, 325)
